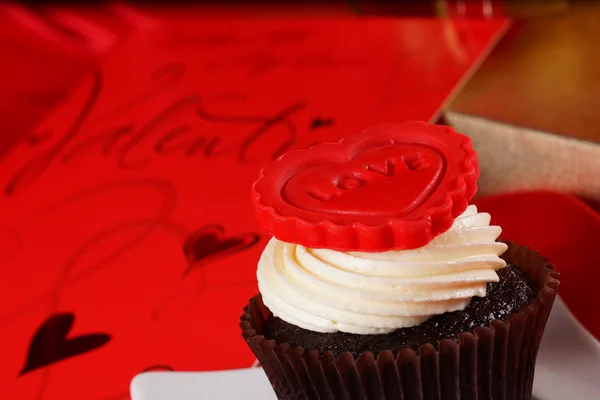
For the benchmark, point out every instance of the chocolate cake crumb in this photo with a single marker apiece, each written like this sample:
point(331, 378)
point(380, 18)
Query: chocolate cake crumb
point(507, 296)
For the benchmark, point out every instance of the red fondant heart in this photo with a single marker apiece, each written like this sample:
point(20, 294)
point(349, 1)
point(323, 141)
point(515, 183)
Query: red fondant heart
point(394, 186)
point(362, 187)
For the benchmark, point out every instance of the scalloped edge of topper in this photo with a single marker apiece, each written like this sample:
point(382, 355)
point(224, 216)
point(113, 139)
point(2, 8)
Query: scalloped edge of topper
point(393, 234)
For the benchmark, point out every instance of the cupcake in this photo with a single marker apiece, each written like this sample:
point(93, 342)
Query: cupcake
point(382, 282)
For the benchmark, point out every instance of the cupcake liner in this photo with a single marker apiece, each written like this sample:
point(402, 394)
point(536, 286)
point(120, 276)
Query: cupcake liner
point(492, 362)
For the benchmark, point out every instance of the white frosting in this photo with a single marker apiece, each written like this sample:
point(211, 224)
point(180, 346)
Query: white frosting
point(326, 291)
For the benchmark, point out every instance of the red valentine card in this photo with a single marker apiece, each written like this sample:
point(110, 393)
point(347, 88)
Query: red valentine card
point(127, 234)
point(45, 50)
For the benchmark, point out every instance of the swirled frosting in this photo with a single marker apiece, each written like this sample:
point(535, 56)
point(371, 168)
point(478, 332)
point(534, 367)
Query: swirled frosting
point(326, 291)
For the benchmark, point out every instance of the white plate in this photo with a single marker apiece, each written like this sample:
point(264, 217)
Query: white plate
point(567, 368)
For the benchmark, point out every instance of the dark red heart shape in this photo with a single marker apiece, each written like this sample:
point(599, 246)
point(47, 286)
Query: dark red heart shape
point(210, 242)
point(50, 343)
point(394, 186)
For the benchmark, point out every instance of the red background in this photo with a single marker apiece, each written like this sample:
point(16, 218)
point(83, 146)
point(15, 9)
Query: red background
point(163, 141)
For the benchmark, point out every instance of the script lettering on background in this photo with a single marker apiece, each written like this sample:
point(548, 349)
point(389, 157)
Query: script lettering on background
point(133, 145)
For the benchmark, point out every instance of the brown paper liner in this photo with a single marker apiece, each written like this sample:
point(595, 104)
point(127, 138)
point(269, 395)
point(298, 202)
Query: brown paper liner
point(494, 362)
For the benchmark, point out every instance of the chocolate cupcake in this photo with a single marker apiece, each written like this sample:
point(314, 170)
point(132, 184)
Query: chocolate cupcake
point(381, 282)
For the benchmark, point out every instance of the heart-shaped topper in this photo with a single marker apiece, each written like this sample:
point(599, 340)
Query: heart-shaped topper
point(391, 187)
